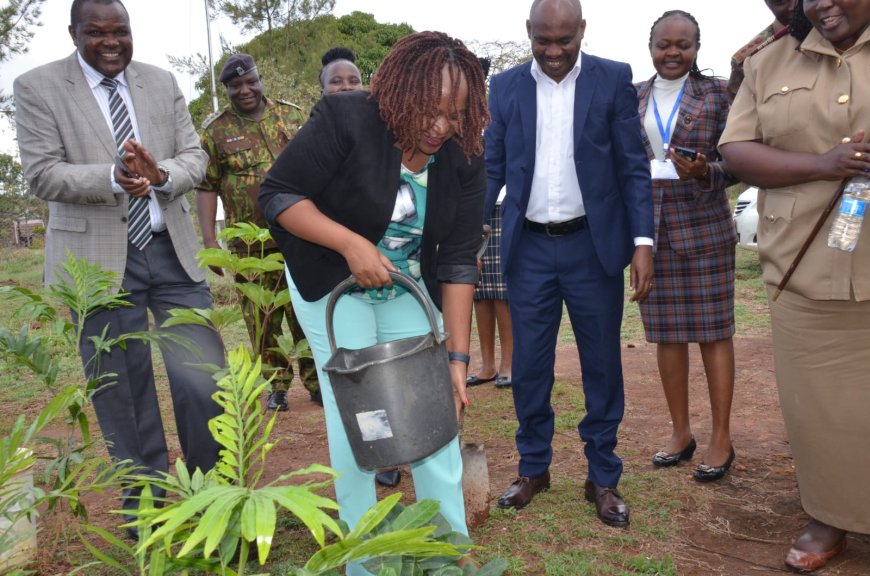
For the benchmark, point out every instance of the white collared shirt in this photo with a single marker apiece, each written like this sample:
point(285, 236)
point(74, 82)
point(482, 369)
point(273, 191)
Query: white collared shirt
point(101, 94)
point(555, 194)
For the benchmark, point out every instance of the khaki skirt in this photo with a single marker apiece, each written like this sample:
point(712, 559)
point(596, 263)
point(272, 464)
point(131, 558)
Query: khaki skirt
point(822, 358)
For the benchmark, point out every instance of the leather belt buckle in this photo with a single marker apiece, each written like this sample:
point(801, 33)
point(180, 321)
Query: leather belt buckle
point(556, 229)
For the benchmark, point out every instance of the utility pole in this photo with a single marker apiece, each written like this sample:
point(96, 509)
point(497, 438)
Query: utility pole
point(214, 98)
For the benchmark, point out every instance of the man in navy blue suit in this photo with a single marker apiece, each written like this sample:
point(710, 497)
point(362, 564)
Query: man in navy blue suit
point(565, 139)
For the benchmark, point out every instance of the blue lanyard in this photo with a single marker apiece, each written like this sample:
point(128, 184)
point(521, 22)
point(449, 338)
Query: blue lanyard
point(666, 131)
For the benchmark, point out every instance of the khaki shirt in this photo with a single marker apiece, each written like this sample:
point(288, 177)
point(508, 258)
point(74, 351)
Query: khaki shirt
point(805, 101)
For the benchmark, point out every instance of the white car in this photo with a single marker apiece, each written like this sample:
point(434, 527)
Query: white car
point(746, 219)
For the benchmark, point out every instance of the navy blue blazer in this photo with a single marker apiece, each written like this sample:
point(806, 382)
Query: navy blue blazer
point(345, 160)
point(609, 156)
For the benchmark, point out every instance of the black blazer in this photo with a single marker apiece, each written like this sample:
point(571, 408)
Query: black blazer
point(344, 159)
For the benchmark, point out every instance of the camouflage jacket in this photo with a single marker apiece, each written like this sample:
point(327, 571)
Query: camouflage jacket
point(240, 152)
point(764, 38)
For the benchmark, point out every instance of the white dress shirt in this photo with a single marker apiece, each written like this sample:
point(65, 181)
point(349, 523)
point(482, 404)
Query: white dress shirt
point(93, 79)
point(555, 194)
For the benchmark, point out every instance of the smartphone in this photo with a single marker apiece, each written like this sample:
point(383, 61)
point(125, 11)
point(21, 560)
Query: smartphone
point(123, 168)
point(686, 153)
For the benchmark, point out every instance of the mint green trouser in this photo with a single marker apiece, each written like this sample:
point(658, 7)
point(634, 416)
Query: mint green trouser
point(358, 324)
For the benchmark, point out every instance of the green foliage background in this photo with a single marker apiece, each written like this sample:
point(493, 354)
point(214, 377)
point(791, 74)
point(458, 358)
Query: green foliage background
point(288, 58)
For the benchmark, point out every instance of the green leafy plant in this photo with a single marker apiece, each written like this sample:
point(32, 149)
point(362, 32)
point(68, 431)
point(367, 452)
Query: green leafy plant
point(230, 514)
point(44, 338)
point(249, 272)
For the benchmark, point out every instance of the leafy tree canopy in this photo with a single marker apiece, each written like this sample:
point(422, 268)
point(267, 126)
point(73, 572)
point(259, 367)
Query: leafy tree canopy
point(264, 15)
point(17, 17)
point(288, 57)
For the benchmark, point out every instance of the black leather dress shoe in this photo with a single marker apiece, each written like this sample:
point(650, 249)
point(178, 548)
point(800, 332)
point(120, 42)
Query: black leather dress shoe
point(520, 492)
point(277, 401)
point(316, 397)
point(132, 532)
point(389, 478)
point(705, 473)
point(663, 459)
point(609, 505)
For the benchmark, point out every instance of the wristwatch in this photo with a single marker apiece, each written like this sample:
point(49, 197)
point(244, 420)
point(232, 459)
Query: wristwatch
point(165, 171)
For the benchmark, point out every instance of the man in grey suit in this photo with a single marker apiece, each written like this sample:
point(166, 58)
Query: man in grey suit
point(73, 117)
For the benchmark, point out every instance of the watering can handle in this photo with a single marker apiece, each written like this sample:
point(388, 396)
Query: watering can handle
point(398, 277)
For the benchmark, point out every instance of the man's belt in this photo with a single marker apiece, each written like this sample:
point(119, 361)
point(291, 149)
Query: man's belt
point(556, 228)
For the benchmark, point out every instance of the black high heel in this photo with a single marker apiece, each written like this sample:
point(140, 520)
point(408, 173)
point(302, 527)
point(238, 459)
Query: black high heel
point(705, 473)
point(663, 459)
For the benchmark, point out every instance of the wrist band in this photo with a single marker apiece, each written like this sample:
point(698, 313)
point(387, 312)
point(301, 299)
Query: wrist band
point(458, 357)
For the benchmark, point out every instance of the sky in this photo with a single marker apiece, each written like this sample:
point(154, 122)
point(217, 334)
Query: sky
point(616, 29)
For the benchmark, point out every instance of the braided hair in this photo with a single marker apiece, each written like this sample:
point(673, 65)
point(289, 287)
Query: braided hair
point(694, 71)
point(800, 24)
point(407, 87)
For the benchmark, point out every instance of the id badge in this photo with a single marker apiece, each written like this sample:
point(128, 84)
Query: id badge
point(663, 170)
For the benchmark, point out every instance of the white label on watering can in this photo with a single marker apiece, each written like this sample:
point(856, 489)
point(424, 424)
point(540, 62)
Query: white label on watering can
point(374, 425)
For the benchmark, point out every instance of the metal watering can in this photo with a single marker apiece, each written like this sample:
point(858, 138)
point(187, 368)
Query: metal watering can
point(395, 398)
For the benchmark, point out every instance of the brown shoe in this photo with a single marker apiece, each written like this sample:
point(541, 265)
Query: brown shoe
point(520, 493)
point(609, 505)
point(815, 547)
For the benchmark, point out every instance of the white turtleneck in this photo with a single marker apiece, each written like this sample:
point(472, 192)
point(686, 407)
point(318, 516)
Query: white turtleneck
point(664, 92)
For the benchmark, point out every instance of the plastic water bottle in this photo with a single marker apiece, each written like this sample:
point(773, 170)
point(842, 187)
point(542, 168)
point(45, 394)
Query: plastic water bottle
point(847, 225)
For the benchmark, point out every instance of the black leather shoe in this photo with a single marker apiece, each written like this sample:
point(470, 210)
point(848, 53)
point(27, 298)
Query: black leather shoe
point(277, 401)
point(663, 459)
point(389, 478)
point(520, 493)
point(705, 473)
point(609, 505)
point(132, 532)
point(316, 397)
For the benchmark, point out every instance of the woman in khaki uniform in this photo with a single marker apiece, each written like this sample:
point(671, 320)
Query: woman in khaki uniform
point(797, 127)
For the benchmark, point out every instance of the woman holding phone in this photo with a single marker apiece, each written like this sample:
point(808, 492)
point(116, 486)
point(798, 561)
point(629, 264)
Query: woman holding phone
point(683, 115)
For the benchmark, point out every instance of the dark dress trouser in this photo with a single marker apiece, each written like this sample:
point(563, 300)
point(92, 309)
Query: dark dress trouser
point(128, 411)
point(545, 272)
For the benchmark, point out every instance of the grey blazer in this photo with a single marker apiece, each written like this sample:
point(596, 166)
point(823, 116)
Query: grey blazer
point(67, 150)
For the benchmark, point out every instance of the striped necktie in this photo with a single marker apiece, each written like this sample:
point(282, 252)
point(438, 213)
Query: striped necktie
point(138, 215)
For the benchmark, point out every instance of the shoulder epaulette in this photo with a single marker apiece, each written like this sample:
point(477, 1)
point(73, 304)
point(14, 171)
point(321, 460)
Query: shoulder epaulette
point(279, 101)
point(779, 34)
point(212, 117)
